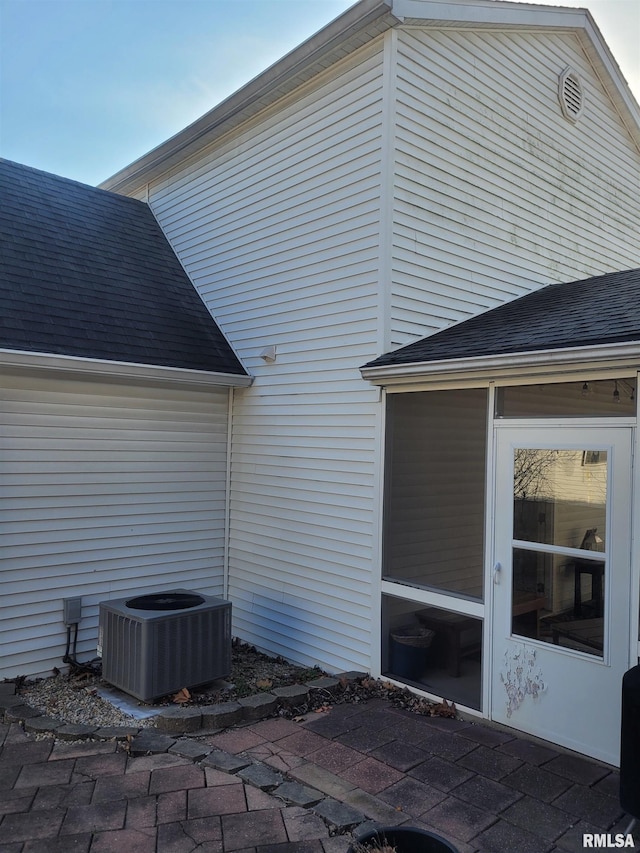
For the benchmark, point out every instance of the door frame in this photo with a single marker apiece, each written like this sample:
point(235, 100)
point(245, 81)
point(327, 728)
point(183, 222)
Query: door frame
point(493, 624)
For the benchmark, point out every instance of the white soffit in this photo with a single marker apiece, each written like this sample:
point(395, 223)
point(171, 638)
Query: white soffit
point(490, 367)
point(143, 373)
point(487, 13)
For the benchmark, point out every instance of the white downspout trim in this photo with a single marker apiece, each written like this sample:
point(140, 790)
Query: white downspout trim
point(227, 501)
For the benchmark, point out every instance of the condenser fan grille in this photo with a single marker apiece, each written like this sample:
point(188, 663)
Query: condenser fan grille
point(166, 601)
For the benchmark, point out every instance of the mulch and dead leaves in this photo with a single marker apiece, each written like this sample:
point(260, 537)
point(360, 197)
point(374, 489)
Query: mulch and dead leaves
point(252, 672)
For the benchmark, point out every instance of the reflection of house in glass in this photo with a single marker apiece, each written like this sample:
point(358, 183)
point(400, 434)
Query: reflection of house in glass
point(559, 501)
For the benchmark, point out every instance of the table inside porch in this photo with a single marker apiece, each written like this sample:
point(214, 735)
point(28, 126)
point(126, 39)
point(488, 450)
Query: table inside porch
point(586, 632)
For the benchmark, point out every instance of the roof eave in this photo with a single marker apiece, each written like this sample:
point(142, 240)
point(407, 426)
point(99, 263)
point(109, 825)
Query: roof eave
point(127, 371)
point(608, 70)
point(489, 13)
point(283, 76)
point(486, 368)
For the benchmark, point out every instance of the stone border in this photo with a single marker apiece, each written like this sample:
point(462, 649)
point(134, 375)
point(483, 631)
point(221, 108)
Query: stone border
point(250, 709)
point(204, 719)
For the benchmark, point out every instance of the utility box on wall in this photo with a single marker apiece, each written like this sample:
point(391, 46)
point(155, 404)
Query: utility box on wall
point(159, 643)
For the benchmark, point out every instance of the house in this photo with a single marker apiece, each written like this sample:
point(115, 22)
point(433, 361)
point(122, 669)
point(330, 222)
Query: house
point(420, 234)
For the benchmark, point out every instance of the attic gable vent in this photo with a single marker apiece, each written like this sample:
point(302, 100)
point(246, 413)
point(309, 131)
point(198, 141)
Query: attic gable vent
point(570, 94)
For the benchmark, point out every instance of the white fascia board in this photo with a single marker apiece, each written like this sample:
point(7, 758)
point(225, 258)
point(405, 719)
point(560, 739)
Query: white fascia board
point(284, 75)
point(488, 13)
point(608, 70)
point(90, 367)
point(486, 368)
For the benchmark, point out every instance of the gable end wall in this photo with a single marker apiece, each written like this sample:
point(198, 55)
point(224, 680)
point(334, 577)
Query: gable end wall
point(496, 192)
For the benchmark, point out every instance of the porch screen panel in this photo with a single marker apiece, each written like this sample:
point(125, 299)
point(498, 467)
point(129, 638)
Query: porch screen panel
point(435, 490)
point(600, 398)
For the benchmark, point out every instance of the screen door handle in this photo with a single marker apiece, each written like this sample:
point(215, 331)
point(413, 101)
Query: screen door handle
point(497, 569)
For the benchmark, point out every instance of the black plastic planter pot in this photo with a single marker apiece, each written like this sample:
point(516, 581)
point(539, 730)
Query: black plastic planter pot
point(407, 840)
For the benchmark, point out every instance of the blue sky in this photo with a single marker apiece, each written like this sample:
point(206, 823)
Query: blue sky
point(87, 86)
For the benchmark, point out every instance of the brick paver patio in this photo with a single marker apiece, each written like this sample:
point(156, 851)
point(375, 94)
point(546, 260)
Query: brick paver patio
point(277, 786)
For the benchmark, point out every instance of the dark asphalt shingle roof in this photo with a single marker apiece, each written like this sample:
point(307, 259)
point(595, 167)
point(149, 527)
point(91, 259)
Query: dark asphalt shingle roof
point(88, 273)
point(600, 310)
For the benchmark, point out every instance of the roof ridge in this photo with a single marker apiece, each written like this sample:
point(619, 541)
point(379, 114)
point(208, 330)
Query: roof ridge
point(43, 173)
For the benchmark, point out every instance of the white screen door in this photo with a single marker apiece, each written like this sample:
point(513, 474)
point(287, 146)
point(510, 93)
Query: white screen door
point(561, 591)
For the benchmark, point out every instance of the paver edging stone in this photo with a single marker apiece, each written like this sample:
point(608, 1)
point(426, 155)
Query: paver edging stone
point(190, 748)
point(116, 732)
point(292, 695)
point(258, 706)
point(75, 731)
point(227, 761)
point(150, 741)
point(42, 724)
point(9, 700)
point(20, 712)
point(339, 815)
point(179, 720)
point(325, 682)
point(261, 776)
point(298, 795)
point(221, 715)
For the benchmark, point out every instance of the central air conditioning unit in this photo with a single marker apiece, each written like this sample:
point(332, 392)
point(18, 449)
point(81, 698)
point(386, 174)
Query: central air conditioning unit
point(156, 644)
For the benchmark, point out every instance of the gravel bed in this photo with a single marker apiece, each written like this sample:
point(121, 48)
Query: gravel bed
point(75, 697)
point(76, 700)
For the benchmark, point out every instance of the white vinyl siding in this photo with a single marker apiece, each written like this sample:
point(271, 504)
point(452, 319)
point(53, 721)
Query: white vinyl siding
point(279, 230)
point(106, 489)
point(495, 191)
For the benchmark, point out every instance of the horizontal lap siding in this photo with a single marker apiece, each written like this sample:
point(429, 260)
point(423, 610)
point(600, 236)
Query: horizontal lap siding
point(279, 230)
point(495, 191)
point(106, 489)
point(303, 526)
